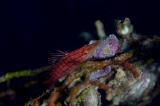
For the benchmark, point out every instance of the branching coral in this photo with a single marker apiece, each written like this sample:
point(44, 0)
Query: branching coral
point(126, 86)
point(23, 73)
point(117, 66)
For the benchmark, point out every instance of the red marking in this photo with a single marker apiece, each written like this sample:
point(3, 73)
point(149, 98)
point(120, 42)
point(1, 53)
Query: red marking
point(71, 61)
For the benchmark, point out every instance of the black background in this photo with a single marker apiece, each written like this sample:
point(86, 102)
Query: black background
point(32, 29)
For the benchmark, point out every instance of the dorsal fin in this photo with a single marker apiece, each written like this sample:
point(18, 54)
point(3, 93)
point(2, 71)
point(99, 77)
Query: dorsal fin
point(56, 57)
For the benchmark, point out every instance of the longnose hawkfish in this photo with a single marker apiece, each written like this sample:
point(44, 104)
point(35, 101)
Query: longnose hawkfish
point(70, 61)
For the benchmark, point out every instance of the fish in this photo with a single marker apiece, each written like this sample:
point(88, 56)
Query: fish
point(72, 60)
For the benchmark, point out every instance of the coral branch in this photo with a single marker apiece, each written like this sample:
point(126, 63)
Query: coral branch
point(23, 73)
point(92, 66)
point(152, 96)
point(100, 85)
point(131, 68)
point(36, 101)
point(100, 29)
point(56, 93)
point(76, 90)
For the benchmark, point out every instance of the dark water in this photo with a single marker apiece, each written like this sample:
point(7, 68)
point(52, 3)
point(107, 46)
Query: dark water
point(32, 29)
